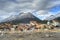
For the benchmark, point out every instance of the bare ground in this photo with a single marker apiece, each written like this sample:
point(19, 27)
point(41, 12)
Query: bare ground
point(32, 36)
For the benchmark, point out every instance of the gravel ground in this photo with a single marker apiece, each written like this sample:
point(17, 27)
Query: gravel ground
point(32, 36)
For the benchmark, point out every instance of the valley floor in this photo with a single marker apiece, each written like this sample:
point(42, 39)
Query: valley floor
point(32, 35)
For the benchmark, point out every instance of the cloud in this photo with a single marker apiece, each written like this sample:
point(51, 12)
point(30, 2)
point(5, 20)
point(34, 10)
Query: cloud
point(40, 4)
point(53, 3)
point(9, 7)
point(42, 14)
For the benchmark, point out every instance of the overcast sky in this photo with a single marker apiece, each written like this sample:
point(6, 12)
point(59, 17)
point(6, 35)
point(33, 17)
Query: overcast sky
point(42, 8)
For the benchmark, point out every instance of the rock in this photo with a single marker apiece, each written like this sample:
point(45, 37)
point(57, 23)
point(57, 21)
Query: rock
point(47, 35)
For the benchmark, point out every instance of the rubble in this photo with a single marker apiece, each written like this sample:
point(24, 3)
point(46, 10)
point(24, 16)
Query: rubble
point(26, 27)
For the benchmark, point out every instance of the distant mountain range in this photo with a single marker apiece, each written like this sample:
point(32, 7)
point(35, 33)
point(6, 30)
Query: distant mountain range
point(53, 17)
point(22, 17)
point(27, 17)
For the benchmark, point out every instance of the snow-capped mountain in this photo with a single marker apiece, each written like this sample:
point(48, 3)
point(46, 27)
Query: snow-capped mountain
point(21, 17)
point(53, 17)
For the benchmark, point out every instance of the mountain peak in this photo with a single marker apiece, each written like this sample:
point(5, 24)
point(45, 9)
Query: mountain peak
point(20, 16)
point(53, 16)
